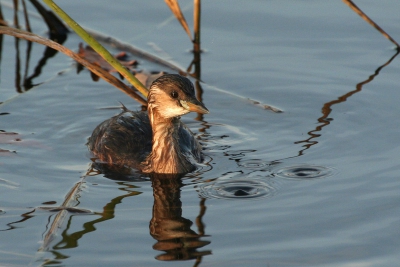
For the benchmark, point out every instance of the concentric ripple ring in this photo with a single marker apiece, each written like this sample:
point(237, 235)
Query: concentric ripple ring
point(237, 189)
point(304, 172)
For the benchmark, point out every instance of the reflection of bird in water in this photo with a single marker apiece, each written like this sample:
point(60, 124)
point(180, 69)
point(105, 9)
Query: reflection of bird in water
point(156, 141)
point(168, 227)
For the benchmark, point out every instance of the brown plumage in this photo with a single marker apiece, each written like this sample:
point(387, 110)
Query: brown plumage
point(153, 141)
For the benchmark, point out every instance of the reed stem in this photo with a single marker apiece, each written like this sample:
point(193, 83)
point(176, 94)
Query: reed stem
point(98, 47)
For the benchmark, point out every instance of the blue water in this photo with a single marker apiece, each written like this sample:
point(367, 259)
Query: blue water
point(315, 185)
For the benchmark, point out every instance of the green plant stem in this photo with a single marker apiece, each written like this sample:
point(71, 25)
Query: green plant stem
point(98, 47)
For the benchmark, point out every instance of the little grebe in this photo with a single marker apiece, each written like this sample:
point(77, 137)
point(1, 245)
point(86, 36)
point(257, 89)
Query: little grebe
point(156, 141)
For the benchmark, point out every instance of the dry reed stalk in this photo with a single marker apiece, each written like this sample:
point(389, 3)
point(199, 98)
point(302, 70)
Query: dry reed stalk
point(92, 67)
point(176, 10)
point(370, 21)
point(196, 26)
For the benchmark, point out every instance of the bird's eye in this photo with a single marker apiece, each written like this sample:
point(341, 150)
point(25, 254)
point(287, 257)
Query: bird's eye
point(174, 94)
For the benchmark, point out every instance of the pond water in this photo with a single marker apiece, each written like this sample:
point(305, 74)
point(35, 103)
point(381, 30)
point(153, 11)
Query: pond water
point(315, 185)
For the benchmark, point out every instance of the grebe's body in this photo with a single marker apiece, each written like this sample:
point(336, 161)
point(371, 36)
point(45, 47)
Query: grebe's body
point(153, 141)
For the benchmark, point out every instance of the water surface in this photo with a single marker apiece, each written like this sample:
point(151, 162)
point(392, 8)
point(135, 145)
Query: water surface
point(316, 185)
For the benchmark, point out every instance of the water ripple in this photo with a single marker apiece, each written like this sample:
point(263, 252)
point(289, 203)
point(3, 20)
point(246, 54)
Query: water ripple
point(8, 184)
point(254, 164)
point(304, 172)
point(237, 189)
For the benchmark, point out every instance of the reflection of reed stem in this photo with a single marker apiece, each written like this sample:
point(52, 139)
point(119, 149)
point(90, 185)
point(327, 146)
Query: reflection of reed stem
point(27, 24)
point(16, 22)
point(2, 22)
point(17, 67)
point(370, 21)
point(17, 57)
point(29, 45)
point(327, 108)
point(1, 46)
point(97, 70)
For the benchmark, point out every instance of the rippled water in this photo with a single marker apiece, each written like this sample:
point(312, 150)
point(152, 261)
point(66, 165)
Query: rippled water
point(304, 172)
point(237, 189)
point(315, 185)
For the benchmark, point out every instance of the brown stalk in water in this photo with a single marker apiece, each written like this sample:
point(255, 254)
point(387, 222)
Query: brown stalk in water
point(196, 26)
point(370, 21)
point(94, 68)
point(174, 6)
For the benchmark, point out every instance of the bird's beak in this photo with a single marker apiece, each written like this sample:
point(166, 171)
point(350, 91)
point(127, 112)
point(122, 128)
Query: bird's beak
point(194, 105)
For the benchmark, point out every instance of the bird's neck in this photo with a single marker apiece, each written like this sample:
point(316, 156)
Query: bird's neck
point(166, 155)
